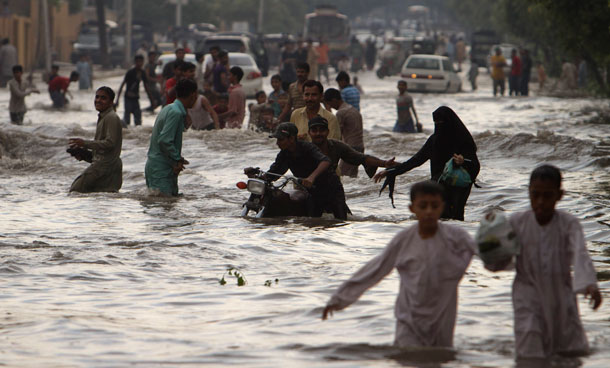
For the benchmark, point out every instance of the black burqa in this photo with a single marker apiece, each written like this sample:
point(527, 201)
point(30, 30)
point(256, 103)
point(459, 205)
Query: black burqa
point(450, 136)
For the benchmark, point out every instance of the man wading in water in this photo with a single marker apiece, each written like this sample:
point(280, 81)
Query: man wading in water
point(106, 171)
point(306, 161)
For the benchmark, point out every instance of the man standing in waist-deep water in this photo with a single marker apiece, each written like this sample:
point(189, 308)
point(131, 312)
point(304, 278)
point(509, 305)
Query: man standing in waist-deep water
point(165, 159)
point(105, 174)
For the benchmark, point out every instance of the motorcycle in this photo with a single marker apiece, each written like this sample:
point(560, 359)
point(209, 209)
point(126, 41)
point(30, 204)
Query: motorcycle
point(269, 199)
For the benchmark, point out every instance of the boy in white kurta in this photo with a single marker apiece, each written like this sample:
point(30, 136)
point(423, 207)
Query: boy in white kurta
point(431, 258)
point(546, 316)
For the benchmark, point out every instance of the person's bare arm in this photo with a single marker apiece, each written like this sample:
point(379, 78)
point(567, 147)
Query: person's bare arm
point(208, 107)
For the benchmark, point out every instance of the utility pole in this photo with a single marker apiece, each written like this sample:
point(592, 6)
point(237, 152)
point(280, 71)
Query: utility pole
point(261, 10)
point(178, 13)
point(128, 28)
point(47, 35)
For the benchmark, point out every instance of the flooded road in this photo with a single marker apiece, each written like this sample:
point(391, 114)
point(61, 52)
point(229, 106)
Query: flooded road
point(122, 279)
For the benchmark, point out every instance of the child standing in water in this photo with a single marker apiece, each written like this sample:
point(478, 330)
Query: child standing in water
point(547, 320)
point(431, 257)
point(404, 106)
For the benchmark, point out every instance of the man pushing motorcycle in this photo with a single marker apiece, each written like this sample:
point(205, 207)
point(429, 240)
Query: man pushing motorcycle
point(306, 161)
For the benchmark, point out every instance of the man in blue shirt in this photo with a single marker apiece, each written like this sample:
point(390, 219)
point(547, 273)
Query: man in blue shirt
point(165, 159)
point(349, 93)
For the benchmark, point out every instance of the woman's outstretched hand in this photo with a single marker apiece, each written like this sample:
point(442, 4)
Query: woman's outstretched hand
point(328, 311)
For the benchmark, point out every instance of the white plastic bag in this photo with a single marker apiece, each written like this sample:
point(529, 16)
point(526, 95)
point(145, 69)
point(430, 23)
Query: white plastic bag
point(497, 241)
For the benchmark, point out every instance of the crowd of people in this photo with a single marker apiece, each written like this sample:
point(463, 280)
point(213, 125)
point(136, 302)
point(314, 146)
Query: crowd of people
point(319, 146)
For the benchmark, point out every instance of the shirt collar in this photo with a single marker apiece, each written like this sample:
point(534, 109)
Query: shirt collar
point(103, 114)
point(180, 106)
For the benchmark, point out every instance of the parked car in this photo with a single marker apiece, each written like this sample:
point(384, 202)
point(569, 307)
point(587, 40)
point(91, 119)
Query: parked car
point(252, 81)
point(239, 42)
point(167, 58)
point(430, 73)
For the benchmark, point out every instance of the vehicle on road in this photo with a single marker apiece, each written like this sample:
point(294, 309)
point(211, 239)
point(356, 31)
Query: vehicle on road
point(271, 199)
point(252, 81)
point(328, 24)
point(430, 73)
point(481, 44)
point(238, 42)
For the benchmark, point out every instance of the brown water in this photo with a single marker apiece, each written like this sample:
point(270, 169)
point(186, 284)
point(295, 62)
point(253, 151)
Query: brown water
point(114, 280)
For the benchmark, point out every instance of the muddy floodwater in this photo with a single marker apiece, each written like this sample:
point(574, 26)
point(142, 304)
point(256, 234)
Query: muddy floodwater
point(116, 280)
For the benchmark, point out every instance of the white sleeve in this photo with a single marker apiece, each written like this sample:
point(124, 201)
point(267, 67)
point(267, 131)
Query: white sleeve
point(367, 276)
point(583, 272)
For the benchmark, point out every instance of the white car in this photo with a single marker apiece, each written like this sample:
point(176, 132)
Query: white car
point(252, 80)
point(168, 58)
point(430, 73)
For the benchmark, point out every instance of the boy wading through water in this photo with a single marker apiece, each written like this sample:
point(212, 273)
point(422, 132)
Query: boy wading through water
point(552, 267)
point(431, 257)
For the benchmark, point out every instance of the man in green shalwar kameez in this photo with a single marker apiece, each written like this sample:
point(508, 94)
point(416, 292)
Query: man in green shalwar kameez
point(165, 159)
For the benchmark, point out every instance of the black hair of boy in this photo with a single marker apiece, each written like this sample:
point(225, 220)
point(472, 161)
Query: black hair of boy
point(547, 172)
point(74, 76)
point(186, 66)
point(259, 93)
point(342, 76)
point(185, 87)
point(138, 57)
point(199, 56)
point(237, 72)
point(108, 91)
point(313, 83)
point(332, 94)
point(17, 68)
point(276, 76)
point(303, 66)
point(426, 187)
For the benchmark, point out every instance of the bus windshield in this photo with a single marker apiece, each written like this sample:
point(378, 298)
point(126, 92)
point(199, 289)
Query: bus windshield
point(327, 26)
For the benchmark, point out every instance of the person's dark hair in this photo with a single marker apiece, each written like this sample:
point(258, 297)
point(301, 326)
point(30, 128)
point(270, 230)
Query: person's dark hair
point(222, 53)
point(17, 68)
point(179, 49)
point(5, 41)
point(186, 66)
point(223, 96)
point(138, 57)
point(259, 93)
point(185, 87)
point(237, 72)
point(108, 91)
point(74, 75)
point(276, 76)
point(402, 81)
point(216, 47)
point(54, 67)
point(332, 94)
point(547, 172)
point(313, 83)
point(342, 76)
point(426, 187)
point(199, 56)
point(304, 66)
point(151, 53)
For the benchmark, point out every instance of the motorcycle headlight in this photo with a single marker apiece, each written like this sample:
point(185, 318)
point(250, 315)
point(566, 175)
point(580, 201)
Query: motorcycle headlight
point(256, 186)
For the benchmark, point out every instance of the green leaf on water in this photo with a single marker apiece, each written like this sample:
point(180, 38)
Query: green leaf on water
point(222, 281)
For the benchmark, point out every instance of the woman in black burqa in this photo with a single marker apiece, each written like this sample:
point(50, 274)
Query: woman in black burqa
point(451, 140)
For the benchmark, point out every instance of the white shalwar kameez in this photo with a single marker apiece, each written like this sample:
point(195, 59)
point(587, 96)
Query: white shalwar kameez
point(544, 292)
point(430, 271)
